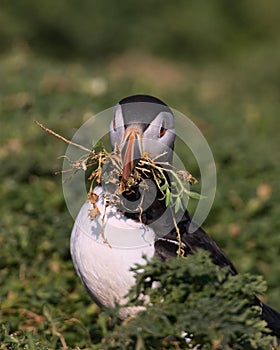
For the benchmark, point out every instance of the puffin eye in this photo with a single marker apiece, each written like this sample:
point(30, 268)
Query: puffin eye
point(162, 131)
point(114, 123)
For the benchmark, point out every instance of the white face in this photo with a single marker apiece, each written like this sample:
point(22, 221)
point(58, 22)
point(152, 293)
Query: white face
point(158, 135)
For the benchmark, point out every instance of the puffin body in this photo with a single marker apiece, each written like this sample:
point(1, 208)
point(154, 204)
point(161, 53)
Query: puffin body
point(104, 248)
point(103, 262)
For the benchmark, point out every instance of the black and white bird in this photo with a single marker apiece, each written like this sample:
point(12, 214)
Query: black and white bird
point(140, 124)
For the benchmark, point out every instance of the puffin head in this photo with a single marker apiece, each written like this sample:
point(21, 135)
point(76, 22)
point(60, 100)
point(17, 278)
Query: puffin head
point(142, 124)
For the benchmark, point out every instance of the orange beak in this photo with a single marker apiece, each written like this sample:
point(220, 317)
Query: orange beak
point(131, 151)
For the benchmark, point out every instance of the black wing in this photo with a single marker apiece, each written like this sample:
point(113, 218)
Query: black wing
point(190, 241)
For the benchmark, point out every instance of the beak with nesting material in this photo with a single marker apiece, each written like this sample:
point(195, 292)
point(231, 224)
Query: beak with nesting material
point(135, 134)
point(131, 150)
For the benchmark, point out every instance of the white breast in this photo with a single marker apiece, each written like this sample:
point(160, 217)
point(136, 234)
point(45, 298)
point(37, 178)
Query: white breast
point(104, 268)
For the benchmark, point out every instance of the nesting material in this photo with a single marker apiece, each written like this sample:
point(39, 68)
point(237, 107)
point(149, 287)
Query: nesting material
point(106, 169)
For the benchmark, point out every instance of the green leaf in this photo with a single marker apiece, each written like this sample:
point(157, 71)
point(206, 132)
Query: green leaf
point(178, 205)
point(195, 195)
point(167, 196)
point(164, 187)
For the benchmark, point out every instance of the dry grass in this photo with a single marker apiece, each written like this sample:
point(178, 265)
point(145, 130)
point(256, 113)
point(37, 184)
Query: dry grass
point(173, 184)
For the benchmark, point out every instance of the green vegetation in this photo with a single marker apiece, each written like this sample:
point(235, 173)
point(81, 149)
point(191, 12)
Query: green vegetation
point(218, 63)
point(193, 294)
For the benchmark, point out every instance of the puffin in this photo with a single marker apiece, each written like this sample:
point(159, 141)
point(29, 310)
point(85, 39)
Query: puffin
point(106, 245)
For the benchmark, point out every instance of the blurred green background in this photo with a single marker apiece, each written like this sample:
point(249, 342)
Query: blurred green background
point(217, 61)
